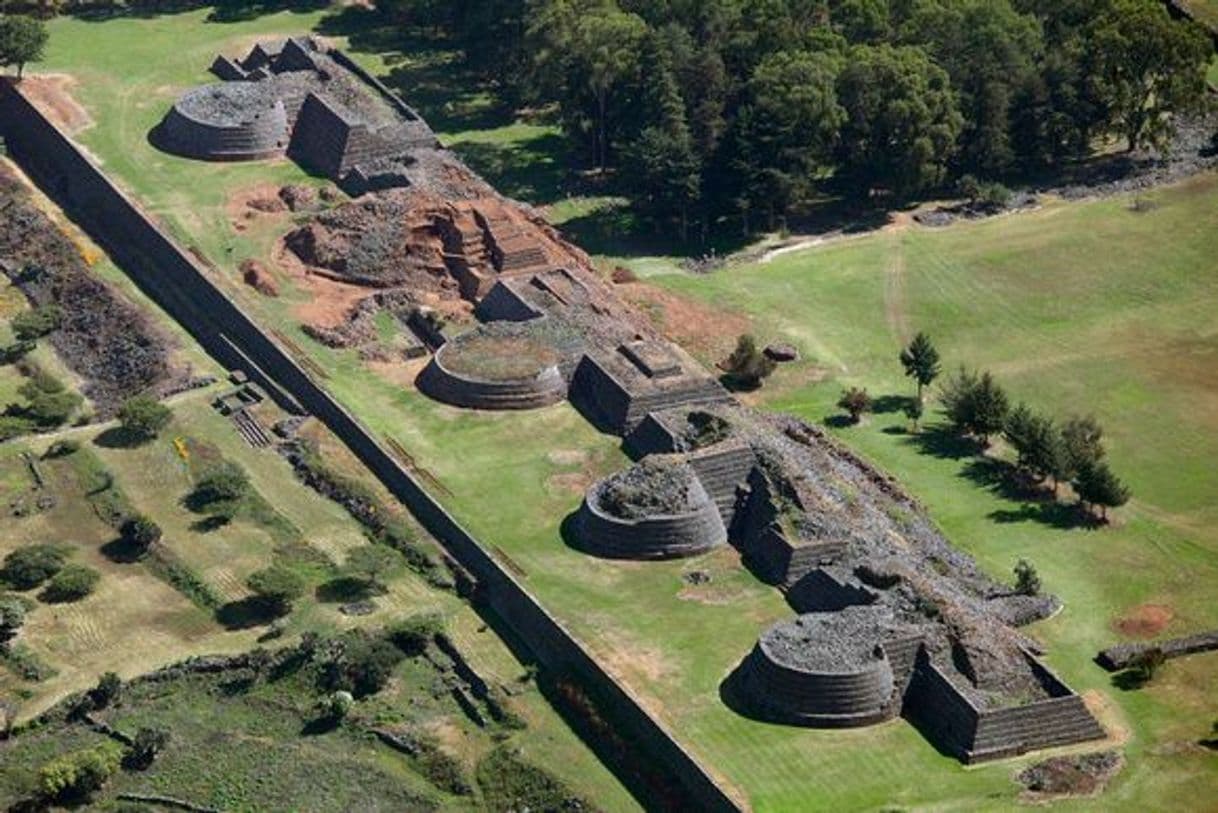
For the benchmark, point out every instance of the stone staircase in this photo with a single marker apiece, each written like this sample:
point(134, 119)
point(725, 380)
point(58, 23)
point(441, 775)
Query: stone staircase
point(1060, 721)
point(722, 472)
point(700, 393)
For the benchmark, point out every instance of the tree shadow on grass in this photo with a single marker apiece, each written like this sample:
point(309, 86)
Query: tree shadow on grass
point(211, 523)
point(122, 551)
point(885, 404)
point(839, 421)
point(245, 614)
point(344, 589)
point(118, 437)
point(1130, 680)
point(319, 726)
point(941, 440)
point(1054, 514)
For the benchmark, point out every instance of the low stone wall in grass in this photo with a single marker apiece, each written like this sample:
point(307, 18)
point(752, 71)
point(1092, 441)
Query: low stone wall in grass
point(1123, 656)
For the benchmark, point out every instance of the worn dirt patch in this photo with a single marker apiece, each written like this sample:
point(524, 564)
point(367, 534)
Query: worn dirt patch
point(634, 660)
point(1144, 621)
point(570, 482)
point(705, 330)
point(567, 457)
point(52, 94)
point(329, 301)
point(1108, 716)
point(253, 203)
point(402, 373)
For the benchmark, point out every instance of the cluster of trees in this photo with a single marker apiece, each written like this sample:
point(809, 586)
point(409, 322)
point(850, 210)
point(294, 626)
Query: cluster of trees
point(1070, 452)
point(744, 108)
point(33, 566)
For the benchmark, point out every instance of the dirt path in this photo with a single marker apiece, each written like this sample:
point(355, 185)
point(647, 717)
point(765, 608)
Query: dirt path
point(895, 313)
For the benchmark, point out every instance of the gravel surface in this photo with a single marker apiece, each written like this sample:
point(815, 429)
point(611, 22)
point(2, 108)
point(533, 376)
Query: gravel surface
point(656, 486)
point(835, 642)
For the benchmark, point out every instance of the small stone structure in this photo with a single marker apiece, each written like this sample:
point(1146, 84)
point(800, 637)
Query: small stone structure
point(300, 98)
point(693, 527)
point(494, 370)
point(1122, 656)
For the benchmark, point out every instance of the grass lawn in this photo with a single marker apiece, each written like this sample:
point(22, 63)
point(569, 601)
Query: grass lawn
point(1092, 318)
point(1076, 308)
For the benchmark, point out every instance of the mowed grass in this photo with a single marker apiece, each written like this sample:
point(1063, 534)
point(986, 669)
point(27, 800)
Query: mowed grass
point(1080, 308)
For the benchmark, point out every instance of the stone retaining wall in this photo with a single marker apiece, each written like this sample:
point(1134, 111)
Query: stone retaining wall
point(263, 135)
point(668, 536)
point(179, 284)
point(438, 382)
point(772, 556)
point(820, 590)
point(1122, 656)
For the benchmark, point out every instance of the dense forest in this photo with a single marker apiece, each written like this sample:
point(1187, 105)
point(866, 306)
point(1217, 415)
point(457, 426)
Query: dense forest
point(756, 108)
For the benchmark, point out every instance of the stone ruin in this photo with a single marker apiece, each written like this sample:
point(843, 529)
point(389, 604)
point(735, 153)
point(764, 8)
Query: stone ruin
point(889, 617)
point(303, 99)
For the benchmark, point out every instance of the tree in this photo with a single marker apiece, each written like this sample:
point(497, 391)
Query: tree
point(1027, 580)
point(141, 532)
point(336, 706)
point(666, 169)
point(22, 39)
point(990, 406)
point(921, 362)
point(747, 366)
point(276, 587)
point(1082, 445)
point(144, 416)
point(855, 401)
point(12, 617)
point(108, 689)
point(147, 744)
point(794, 119)
point(1097, 485)
point(1146, 664)
point(48, 401)
point(901, 123)
point(78, 775)
point(221, 489)
point(36, 322)
point(914, 411)
point(1018, 432)
point(370, 563)
point(1148, 68)
point(31, 565)
point(72, 583)
point(975, 404)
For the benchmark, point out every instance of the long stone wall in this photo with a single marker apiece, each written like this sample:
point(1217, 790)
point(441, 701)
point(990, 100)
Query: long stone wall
point(172, 278)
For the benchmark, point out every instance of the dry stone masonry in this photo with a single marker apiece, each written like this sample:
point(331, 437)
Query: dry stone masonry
point(299, 98)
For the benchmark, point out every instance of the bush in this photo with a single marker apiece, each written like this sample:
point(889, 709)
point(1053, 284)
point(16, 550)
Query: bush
point(747, 366)
point(510, 783)
point(144, 416)
point(12, 617)
point(1146, 664)
point(336, 706)
point(141, 532)
point(147, 744)
point(31, 565)
point(975, 404)
point(276, 587)
point(108, 689)
point(362, 666)
point(72, 583)
point(1027, 580)
point(36, 323)
point(413, 634)
point(369, 564)
point(62, 448)
point(77, 775)
point(855, 401)
point(48, 401)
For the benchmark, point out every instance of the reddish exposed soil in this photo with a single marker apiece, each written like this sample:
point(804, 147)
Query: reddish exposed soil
point(248, 205)
point(708, 331)
point(52, 94)
point(259, 278)
point(1144, 621)
point(329, 301)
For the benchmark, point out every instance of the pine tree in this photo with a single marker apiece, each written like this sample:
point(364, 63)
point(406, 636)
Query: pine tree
point(1097, 485)
point(921, 361)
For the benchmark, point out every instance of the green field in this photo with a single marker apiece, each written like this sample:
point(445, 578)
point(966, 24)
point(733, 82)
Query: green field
point(1060, 303)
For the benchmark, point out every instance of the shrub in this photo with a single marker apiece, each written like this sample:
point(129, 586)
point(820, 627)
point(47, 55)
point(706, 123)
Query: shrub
point(276, 587)
point(147, 744)
point(13, 426)
point(109, 687)
point(975, 404)
point(77, 775)
point(62, 448)
point(224, 482)
point(747, 366)
point(336, 706)
point(48, 401)
point(1027, 580)
point(1146, 664)
point(144, 416)
point(72, 583)
point(855, 401)
point(413, 634)
point(510, 783)
point(12, 617)
point(141, 532)
point(362, 666)
point(37, 322)
point(369, 564)
point(29, 566)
